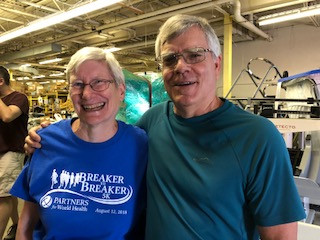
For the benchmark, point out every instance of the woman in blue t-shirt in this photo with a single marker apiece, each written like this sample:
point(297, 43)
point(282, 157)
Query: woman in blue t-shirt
point(82, 184)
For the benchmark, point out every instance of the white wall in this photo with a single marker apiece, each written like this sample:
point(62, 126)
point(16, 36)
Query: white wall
point(295, 49)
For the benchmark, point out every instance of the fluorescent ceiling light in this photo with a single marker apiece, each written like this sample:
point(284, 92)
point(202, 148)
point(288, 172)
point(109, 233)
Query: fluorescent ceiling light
point(51, 61)
point(112, 49)
point(39, 76)
point(26, 65)
point(56, 74)
point(22, 78)
point(56, 18)
point(290, 15)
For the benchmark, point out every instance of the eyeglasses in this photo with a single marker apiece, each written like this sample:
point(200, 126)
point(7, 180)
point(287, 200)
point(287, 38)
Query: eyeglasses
point(190, 56)
point(97, 85)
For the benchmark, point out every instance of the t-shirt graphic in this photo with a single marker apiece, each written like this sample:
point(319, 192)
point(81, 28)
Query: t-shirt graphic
point(105, 189)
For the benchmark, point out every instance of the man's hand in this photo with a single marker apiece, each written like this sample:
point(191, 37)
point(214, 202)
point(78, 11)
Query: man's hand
point(32, 141)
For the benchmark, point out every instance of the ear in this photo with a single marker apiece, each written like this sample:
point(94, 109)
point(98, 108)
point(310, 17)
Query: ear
point(217, 65)
point(1, 81)
point(122, 91)
point(218, 62)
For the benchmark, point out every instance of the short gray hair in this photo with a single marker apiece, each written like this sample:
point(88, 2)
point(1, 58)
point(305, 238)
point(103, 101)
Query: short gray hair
point(98, 54)
point(179, 24)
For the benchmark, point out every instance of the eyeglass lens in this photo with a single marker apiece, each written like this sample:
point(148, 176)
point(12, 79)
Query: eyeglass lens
point(190, 56)
point(96, 85)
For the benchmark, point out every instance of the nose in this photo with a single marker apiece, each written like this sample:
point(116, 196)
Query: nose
point(87, 91)
point(181, 65)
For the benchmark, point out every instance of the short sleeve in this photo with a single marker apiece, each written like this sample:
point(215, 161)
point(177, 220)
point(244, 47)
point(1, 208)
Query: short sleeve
point(271, 192)
point(20, 188)
point(21, 101)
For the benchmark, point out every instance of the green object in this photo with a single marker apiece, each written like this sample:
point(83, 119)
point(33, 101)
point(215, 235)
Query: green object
point(141, 93)
point(159, 93)
point(137, 99)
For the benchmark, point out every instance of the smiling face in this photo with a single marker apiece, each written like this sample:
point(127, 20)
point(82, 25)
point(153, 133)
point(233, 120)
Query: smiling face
point(96, 108)
point(191, 86)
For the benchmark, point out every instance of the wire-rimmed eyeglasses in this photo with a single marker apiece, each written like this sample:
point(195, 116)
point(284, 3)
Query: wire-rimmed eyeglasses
point(97, 85)
point(190, 56)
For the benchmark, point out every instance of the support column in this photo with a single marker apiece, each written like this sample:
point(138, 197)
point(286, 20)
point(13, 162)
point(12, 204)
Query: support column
point(227, 55)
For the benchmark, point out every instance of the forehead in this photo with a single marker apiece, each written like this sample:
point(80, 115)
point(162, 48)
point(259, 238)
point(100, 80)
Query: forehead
point(91, 69)
point(191, 38)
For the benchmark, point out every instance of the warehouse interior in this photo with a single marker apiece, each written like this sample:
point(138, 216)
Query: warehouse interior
point(255, 56)
point(130, 28)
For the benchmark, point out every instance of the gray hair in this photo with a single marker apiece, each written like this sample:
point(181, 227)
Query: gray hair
point(179, 24)
point(98, 54)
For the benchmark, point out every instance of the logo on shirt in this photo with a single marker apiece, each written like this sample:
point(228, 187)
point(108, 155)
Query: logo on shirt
point(83, 187)
point(46, 201)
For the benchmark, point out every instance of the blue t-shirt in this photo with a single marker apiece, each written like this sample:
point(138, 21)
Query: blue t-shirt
point(87, 190)
point(216, 176)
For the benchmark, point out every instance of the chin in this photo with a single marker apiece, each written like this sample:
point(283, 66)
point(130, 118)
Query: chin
point(91, 118)
point(183, 100)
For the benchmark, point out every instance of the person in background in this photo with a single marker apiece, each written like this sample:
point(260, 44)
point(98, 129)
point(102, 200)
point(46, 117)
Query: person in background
point(215, 171)
point(88, 179)
point(14, 110)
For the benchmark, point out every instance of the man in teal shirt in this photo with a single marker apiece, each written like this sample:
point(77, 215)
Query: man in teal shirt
point(215, 171)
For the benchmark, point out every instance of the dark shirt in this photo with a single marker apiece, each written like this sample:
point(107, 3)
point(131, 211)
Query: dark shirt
point(12, 134)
